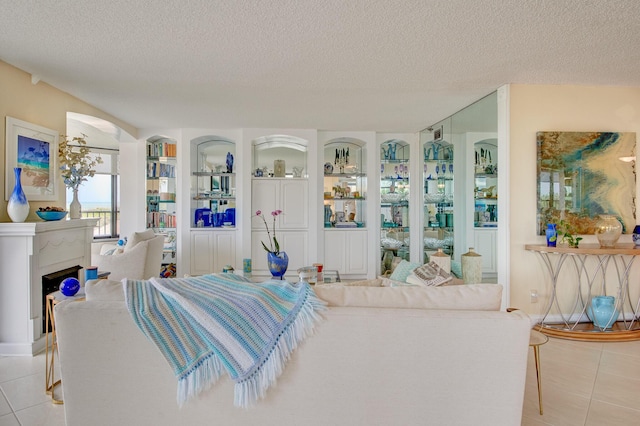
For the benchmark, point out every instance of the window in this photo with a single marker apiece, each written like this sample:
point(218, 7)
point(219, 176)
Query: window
point(100, 195)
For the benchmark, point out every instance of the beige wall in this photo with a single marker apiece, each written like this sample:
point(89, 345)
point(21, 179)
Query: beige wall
point(43, 105)
point(548, 108)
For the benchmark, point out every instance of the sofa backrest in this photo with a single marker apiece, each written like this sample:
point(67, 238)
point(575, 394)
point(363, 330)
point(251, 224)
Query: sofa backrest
point(479, 297)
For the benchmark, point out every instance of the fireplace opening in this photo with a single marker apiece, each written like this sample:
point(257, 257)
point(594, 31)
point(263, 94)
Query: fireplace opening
point(50, 283)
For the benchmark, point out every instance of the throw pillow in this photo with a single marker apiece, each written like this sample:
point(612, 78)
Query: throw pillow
point(456, 269)
point(402, 271)
point(109, 249)
point(129, 264)
point(138, 237)
point(429, 274)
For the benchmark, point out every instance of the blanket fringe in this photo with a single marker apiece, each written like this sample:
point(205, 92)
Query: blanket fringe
point(247, 392)
point(199, 379)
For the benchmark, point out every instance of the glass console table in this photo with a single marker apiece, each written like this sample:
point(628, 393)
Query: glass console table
point(578, 275)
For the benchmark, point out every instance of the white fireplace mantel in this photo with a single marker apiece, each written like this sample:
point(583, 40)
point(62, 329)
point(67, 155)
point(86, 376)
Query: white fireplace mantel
point(28, 251)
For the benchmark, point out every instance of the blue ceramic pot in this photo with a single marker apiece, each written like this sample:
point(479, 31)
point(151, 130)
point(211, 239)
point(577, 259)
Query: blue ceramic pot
point(278, 263)
point(603, 311)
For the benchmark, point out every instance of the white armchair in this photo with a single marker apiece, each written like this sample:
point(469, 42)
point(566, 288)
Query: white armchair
point(140, 259)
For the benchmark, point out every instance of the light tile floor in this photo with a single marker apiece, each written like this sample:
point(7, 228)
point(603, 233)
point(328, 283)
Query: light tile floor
point(583, 383)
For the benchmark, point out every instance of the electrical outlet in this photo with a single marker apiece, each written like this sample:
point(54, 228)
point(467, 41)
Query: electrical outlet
point(534, 296)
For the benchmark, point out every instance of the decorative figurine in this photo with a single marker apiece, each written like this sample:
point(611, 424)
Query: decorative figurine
point(229, 162)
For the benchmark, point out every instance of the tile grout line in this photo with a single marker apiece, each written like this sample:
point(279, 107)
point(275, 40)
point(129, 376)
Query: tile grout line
point(593, 387)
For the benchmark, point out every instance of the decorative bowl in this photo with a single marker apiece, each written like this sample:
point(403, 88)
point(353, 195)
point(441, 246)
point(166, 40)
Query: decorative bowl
point(390, 243)
point(391, 197)
point(51, 215)
point(433, 198)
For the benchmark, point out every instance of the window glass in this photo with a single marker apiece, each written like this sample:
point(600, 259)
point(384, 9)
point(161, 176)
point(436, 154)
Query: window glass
point(99, 196)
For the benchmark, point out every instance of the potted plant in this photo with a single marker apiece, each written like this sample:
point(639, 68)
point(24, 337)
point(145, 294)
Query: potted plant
point(76, 164)
point(277, 259)
point(566, 231)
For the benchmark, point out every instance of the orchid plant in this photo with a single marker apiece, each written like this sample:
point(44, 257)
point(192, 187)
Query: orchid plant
point(76, 163)
point(274, 246)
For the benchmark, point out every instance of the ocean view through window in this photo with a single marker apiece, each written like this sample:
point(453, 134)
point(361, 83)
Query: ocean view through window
point(100, 196)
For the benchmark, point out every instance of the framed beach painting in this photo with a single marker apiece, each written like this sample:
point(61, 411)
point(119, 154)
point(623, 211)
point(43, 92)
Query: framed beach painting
point(35, 149)
point(582, 175)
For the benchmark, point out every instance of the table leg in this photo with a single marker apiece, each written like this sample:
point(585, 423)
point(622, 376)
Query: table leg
point(536, 355)
point(51, 347)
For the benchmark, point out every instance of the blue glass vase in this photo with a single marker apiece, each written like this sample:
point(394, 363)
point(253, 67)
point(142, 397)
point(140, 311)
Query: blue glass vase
point(18, 206)
point(278, 263)
point(552, 234)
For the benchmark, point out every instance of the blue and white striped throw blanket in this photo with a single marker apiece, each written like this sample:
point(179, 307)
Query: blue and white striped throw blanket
point(204, 324)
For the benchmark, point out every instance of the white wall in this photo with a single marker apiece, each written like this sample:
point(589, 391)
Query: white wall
point(536, 108)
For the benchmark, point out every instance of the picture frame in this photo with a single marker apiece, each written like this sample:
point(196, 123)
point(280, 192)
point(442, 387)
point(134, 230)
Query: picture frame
point(35, 149)
point(582, 175)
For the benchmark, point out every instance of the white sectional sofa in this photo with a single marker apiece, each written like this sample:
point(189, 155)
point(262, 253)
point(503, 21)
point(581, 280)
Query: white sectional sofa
point(382, 356)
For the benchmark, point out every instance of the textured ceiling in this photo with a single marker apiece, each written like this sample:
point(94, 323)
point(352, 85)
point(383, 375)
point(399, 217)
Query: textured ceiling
point(384, 65)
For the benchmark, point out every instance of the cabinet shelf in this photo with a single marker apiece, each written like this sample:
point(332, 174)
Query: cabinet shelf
point(400, 161)
point(201, 174)
point(163, 158)
point(398, 203)
point(345, 175)
point(344, 198)
point(213, 198)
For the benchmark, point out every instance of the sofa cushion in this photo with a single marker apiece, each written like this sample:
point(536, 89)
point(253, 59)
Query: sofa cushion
point(138, 237)
point(104, 290)
point(481, 297)
point(129, 264)
point(402, 271)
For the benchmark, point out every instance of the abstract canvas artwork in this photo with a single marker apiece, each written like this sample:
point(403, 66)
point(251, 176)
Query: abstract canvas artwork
point(582, 175)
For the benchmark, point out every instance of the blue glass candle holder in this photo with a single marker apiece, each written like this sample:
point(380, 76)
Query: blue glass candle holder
point(636, 235)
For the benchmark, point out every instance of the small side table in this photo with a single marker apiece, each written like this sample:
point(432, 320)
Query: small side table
point(536, 340)
point(52, 299)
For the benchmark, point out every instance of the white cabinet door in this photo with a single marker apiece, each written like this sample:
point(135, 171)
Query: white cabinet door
point(289, 195)
point(294, 195)
point(484, 243)
point(201, 253)
point(346, 252)
point(265, 196)
point(224, 251)
point(211, 251)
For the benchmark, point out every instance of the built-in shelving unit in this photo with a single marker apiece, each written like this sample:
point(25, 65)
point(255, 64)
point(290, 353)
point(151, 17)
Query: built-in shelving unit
point(213, 214)
point(394, 201)
point(161, 198)
point(280, 182)
point(213, 192)
point(486, 184)
point(344, 183)
point(438, 199)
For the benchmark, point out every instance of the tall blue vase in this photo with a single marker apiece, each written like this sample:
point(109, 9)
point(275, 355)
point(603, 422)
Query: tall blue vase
point(278, 263)
point(552, 234)
point(18, 206)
